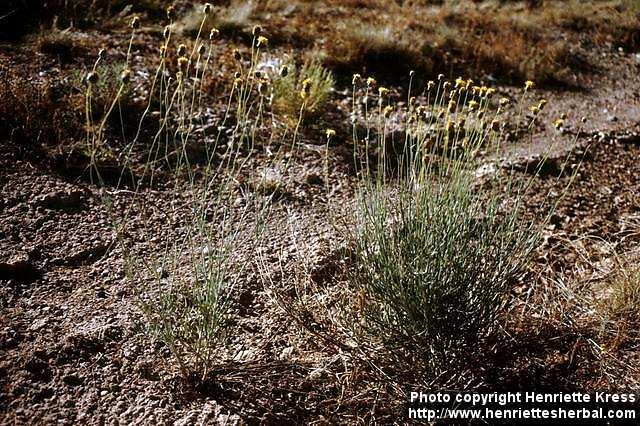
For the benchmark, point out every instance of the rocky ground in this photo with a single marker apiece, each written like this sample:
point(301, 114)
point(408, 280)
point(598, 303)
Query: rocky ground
point(72, 348)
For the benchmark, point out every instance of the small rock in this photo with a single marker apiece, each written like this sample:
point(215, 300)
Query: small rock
point(286, 353)
point(61, 200)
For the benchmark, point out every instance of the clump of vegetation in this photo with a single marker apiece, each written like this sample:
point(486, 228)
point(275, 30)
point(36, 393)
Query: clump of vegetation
point(60, 44)
point(436, 255)
point(305, 88)
point(36, 113)
point(623, 304)
point(187, 292)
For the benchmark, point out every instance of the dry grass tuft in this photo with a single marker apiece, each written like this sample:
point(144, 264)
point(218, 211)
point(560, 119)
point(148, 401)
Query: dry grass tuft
point(623, 304)
point(36, 113)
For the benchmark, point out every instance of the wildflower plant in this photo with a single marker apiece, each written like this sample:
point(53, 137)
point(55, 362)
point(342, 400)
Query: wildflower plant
point(436, 253)
point(185, 277)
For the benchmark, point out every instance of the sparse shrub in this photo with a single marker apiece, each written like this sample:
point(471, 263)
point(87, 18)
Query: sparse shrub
point(186, 292)
point(287, 91)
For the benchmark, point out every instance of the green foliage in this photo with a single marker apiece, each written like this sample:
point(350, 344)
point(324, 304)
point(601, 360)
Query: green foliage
point(436, 254)
point(436, 263)
point(287, 99)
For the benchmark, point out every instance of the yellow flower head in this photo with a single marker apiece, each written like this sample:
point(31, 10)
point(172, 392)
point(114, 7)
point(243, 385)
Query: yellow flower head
point(263, 87)
point(490, 92)
point(214, 33)
point(371, 82)
point(430, 85)
point(383, 91)
point(558, 123)
point(262, 41)
point(542, 104)
point(528, 85)
point(306, 85)
point(387, 111)
point(330, 133)
point(171, 13)
point(504, 101)
point(182, 64)
point(534, 109)
point(473, 105)
point(460, 82)
point(357, 78)
point(450, 126)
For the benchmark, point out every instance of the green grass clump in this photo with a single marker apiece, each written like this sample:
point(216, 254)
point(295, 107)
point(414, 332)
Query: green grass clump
point(436, 263)
point(287, 90)
point(436, 254)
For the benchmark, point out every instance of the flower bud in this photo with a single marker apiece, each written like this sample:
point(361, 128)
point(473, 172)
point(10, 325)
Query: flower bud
point(92, 78)
point(125, 76)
